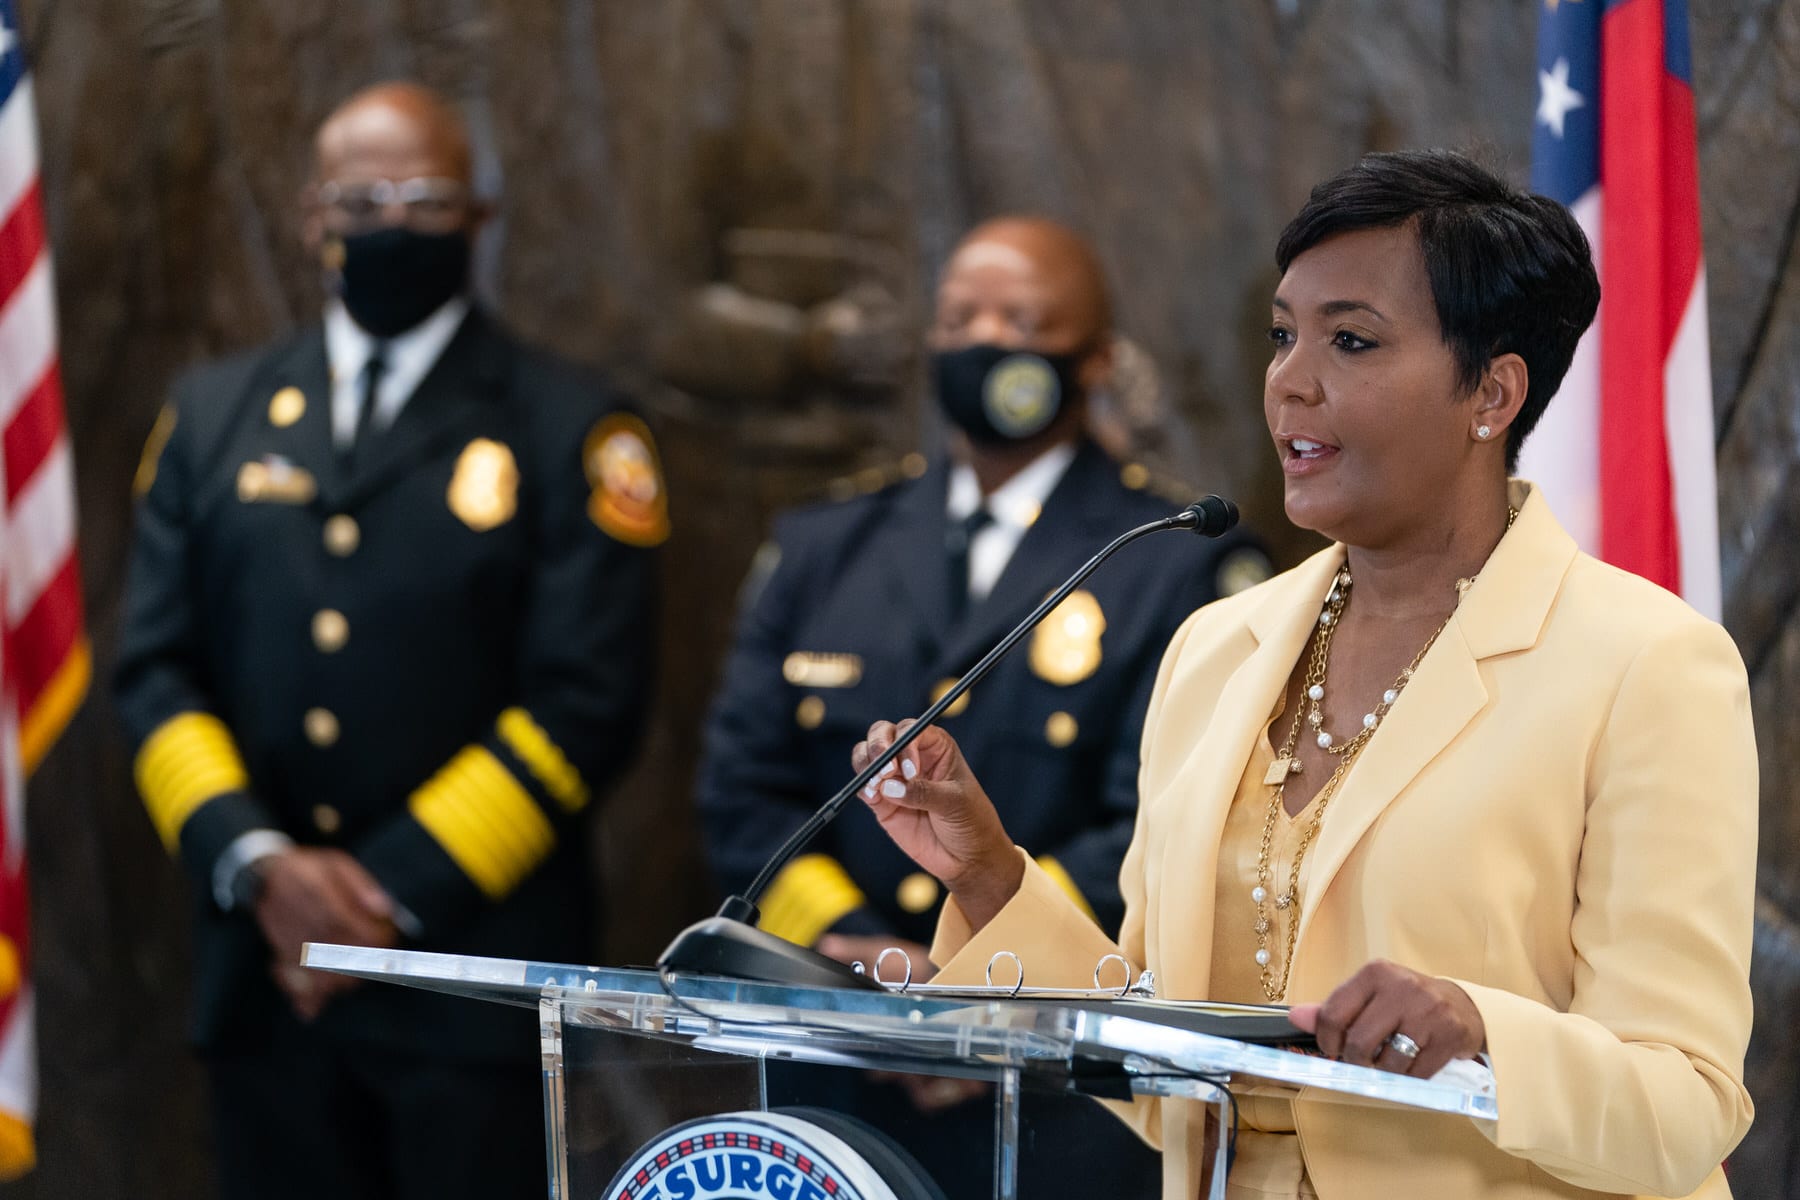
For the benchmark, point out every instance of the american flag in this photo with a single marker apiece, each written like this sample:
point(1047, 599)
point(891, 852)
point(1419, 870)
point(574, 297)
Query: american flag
point(1625, 454)
point(44, 662)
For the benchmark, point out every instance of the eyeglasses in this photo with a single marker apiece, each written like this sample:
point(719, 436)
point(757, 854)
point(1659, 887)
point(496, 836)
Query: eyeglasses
point(428, 203)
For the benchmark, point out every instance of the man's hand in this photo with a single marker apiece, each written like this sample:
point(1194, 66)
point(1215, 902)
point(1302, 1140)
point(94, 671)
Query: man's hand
point(315, 895)
point(935, 1093)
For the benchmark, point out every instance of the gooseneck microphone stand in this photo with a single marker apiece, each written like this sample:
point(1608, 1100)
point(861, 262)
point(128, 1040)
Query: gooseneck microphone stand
point(729, 943)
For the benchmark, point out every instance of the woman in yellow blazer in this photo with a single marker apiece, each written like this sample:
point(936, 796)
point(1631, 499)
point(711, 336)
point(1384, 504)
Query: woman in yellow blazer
point(1450, 787)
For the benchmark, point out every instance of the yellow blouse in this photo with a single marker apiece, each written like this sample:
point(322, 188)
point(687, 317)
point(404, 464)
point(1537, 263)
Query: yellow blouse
point(1268, 1163)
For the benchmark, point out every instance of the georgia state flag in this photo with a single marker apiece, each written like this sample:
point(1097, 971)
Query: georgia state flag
point(1625, 453)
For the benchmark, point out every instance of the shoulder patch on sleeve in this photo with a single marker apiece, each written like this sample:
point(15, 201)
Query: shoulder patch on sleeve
point(1242, 570)
point(153, 448)
point(628, 500)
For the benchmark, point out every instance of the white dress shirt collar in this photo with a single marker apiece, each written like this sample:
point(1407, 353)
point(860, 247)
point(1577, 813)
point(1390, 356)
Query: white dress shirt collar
point(1014, 505)
point(1017, 501)
point(410, 357)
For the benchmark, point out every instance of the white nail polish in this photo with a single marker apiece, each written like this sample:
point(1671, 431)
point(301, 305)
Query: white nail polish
point(893, 789)
point(868, 792)
point(909, 768)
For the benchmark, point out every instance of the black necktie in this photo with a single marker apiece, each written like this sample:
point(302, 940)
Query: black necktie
point(957, 540)
point(369, 392)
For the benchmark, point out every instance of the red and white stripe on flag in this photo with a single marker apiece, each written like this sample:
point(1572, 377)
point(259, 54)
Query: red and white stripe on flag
point(1626, 452)
point(44, 662)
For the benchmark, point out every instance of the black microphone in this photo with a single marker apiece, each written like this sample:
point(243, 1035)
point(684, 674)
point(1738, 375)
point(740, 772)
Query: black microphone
point(729, 944)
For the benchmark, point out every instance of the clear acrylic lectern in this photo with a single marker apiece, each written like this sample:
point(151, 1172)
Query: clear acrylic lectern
point(631, 1056)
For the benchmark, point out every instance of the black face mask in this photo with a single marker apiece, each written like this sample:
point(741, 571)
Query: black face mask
point(998, 395)
point(393, 278)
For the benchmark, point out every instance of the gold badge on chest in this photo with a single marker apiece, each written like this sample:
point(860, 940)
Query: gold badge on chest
point(1066, 647)
point(484, 489)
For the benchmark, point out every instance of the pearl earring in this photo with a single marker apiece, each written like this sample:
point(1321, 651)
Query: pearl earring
point(1482, 432)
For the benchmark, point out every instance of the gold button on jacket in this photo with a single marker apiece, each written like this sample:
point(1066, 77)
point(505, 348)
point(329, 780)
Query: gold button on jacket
point(321, 727)
point(330, 630)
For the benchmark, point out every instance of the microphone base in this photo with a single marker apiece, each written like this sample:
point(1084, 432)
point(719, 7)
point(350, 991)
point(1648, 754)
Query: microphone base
point(720, 946)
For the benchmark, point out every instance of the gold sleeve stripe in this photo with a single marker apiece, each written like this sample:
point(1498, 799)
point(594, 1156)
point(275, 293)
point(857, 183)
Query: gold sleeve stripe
point(807, 898)
point(185, 762)
point(527, 739)
point(1062, 879)
point(486, 822)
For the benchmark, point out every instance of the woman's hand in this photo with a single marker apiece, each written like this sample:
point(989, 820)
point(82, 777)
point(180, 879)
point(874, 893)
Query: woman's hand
point(933, 807)
point(1358, 1022)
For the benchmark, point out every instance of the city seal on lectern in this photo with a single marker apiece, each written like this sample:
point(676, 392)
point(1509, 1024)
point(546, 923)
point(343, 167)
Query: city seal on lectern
point(748, 1156)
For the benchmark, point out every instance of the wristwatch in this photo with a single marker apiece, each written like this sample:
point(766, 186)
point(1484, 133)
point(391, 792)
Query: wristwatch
point(247, 885)
point(237, 878)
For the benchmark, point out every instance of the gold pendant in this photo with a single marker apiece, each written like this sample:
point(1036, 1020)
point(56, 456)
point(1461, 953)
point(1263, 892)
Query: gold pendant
point(1280, 769)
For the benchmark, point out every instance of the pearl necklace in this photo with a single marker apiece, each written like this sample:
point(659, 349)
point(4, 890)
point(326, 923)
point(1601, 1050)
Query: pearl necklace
point(1310, 712)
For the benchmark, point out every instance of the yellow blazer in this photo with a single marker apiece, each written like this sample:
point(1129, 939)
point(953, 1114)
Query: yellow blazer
point(1559, 815)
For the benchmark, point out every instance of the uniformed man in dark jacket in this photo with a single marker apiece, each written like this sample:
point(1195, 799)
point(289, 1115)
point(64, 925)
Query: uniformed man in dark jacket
point(385, 642)
point(884, 600)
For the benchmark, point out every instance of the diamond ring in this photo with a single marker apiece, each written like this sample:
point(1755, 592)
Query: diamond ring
point(1404, 1046)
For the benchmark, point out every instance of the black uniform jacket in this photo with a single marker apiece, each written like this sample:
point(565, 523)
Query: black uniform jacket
point(852, 627)
point(433, 657)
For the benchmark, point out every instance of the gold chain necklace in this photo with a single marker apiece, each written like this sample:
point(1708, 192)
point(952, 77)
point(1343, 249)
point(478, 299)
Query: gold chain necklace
point(1309, 711)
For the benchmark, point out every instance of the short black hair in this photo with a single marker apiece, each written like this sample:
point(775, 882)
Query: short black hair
point(1510, 272)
